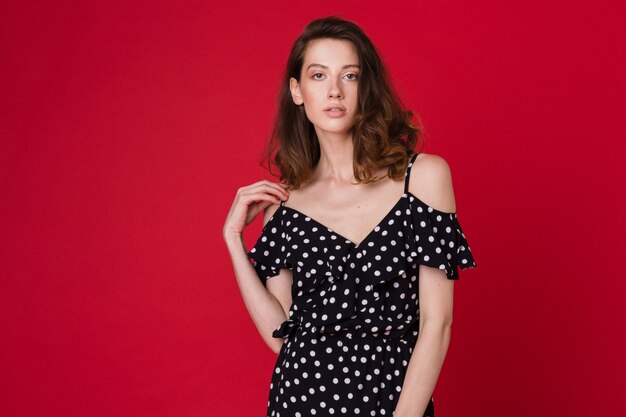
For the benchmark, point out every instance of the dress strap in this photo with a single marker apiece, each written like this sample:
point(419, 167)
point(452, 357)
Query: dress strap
point(407, 174)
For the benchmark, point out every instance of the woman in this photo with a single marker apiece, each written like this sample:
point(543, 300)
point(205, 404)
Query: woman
point(360, 245)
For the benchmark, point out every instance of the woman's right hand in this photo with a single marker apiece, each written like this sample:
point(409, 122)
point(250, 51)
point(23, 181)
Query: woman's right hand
point(249, 202)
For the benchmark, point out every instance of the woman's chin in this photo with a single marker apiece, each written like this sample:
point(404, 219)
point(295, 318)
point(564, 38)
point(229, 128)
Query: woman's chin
point(334, 128)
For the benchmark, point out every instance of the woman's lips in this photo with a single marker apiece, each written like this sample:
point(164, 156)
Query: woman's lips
point(335, 112)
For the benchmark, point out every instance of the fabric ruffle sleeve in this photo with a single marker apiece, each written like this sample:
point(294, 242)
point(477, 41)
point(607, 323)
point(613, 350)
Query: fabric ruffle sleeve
point(439, 241)
point(269, 252)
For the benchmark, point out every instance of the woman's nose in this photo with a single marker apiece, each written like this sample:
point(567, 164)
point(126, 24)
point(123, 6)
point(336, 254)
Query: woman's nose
point(335, 91)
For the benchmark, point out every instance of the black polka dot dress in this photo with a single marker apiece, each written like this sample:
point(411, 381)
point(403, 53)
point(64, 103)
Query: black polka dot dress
point(354, 319)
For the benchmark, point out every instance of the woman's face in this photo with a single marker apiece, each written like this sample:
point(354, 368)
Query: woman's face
point(329, 78)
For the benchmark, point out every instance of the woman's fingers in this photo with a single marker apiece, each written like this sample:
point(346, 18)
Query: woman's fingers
point(276, 188)
point(260, 196)
point(250, 201)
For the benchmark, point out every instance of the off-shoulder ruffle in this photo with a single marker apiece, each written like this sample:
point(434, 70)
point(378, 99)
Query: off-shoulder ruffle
point(438, 239)
point(269, 253)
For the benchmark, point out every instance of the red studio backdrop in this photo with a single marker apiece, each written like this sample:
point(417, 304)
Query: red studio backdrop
point(127, 128)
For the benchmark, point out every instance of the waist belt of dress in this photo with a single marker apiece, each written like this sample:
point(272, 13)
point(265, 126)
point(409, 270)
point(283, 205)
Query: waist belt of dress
point(289, 327)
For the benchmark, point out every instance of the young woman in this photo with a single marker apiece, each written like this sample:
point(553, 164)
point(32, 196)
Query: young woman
point(360, 244)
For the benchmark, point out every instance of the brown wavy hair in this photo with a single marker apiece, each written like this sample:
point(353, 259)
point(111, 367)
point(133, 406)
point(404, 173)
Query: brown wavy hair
point(383, 133)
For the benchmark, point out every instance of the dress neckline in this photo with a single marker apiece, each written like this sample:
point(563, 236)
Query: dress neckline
point(367, 236)
point(403, 197)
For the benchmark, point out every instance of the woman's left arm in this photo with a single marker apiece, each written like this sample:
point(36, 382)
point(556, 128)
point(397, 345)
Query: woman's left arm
point(432, 180)
point(436, 299)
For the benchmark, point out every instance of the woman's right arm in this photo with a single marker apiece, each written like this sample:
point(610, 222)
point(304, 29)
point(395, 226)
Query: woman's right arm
point(264, 308)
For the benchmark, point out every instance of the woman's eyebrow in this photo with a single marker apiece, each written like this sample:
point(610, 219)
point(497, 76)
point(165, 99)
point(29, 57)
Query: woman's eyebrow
point(325, 67)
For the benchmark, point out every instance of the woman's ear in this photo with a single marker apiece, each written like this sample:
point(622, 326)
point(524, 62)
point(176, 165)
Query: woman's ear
point(294, 86)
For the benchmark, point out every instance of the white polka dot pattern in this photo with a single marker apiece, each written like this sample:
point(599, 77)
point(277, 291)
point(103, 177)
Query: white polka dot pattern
point(354, 318)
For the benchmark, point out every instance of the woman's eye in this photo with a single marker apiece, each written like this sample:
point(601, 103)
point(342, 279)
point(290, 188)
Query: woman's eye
point(354, 76)
point(316, 74)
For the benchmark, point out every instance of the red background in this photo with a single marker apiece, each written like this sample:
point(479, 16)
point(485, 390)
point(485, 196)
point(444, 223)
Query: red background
point(127, 128)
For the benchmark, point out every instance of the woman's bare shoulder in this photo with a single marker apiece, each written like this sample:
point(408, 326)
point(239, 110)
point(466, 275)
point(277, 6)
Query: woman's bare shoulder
point(430, 180)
